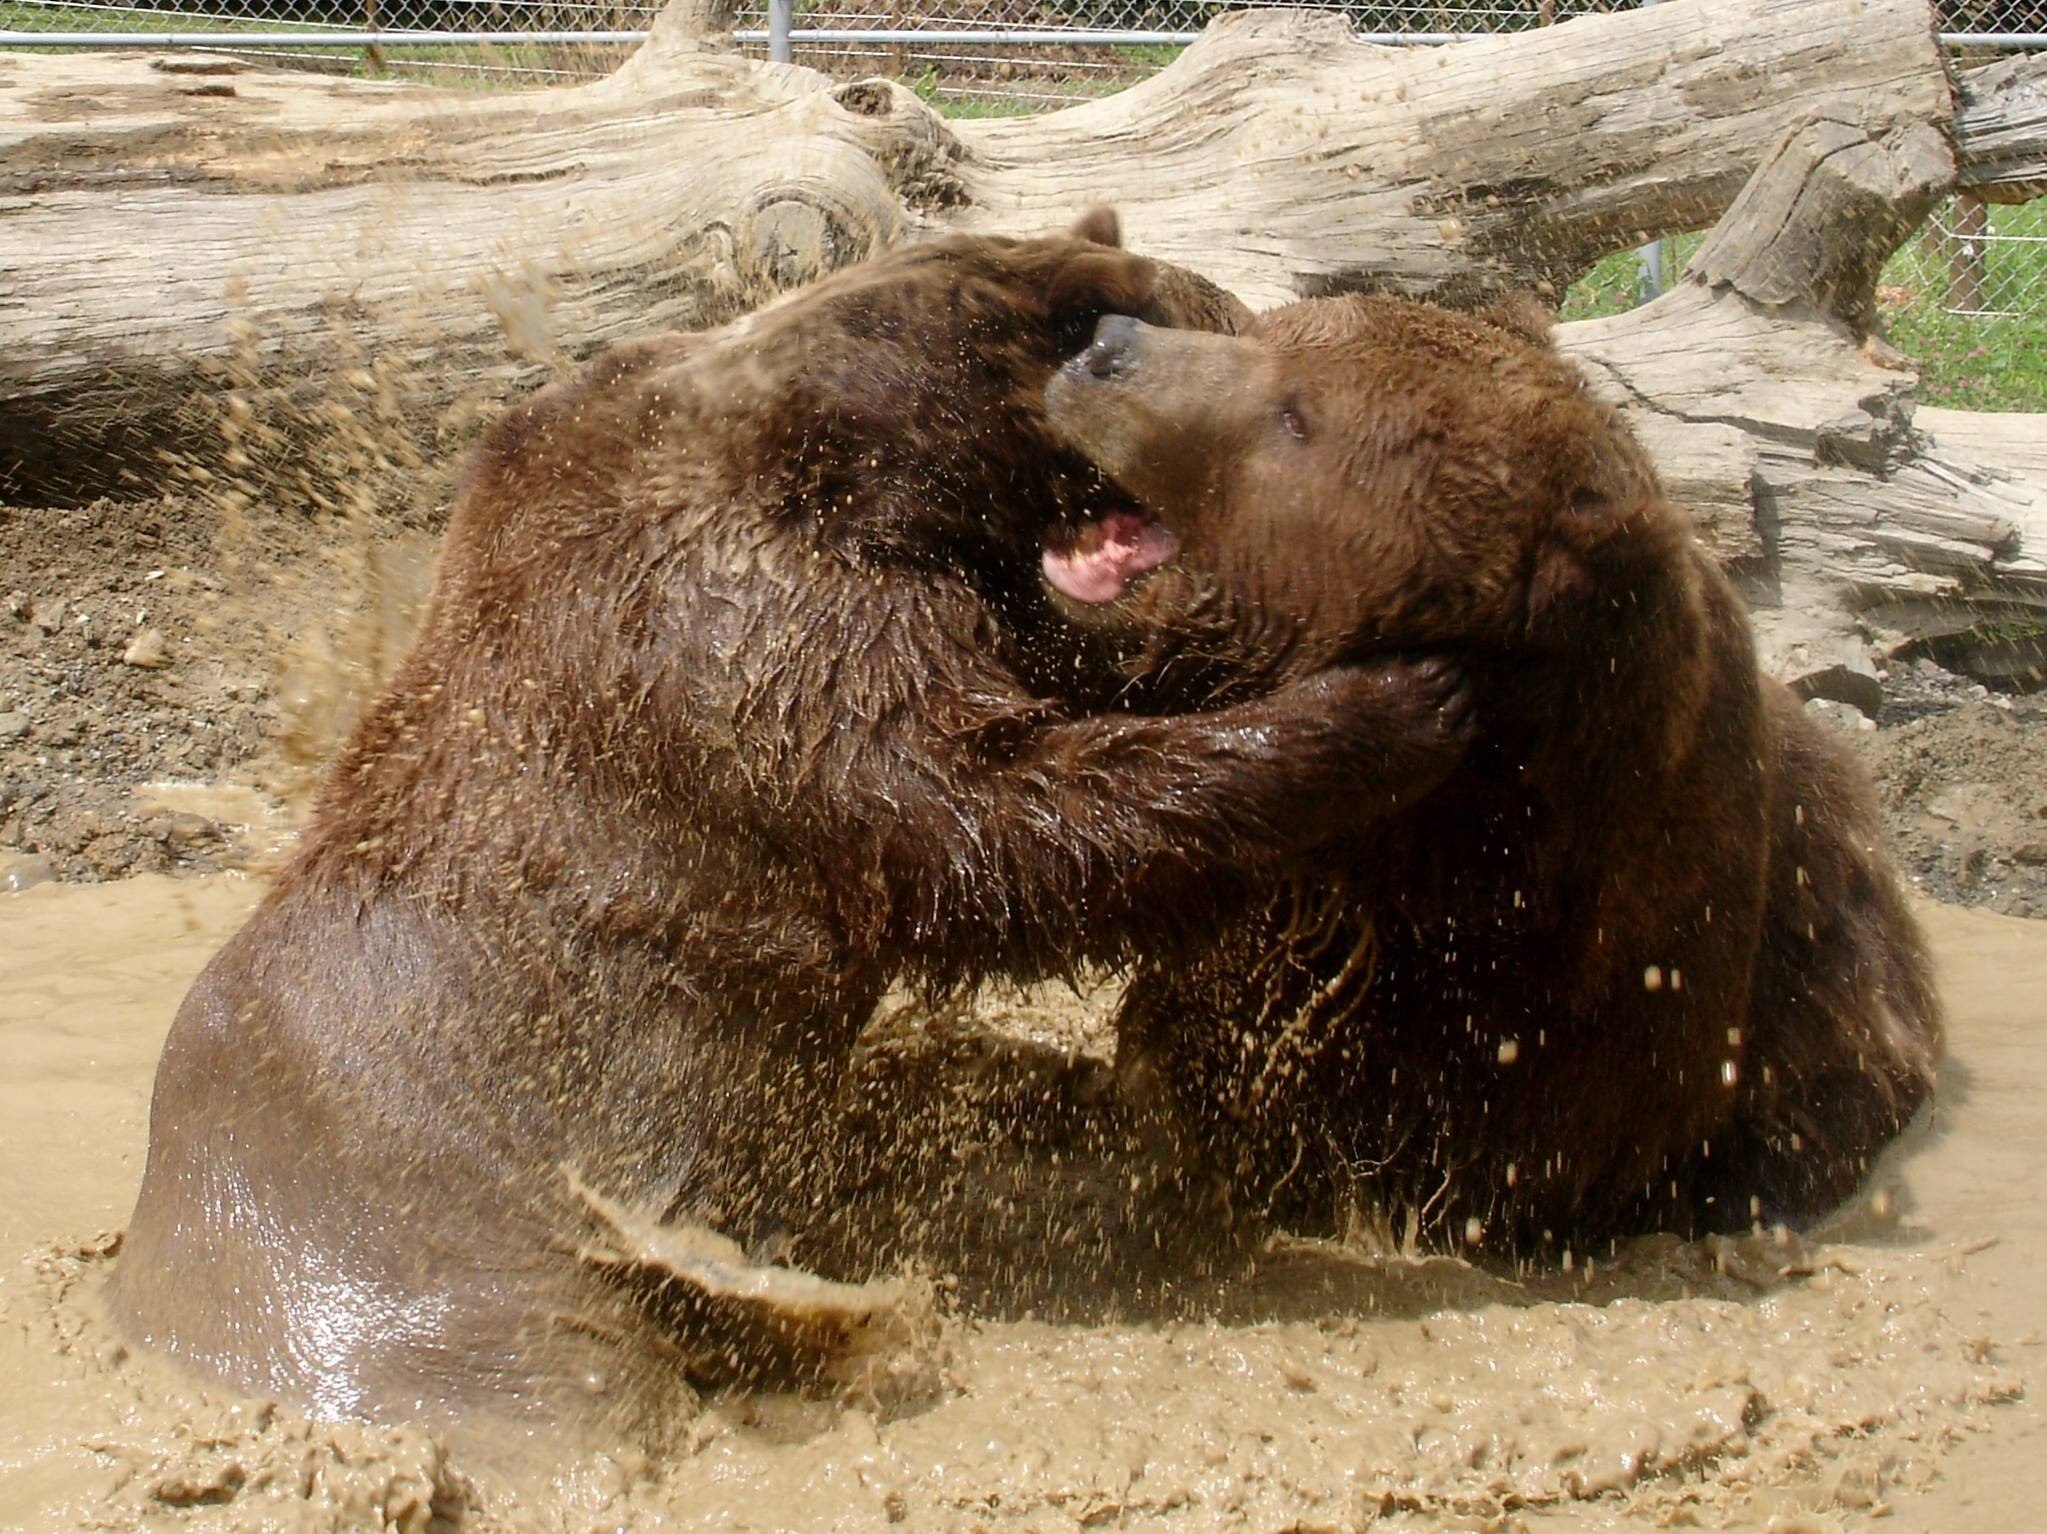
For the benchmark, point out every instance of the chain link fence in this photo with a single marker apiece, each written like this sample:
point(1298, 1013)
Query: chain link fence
point(1968, 299)
point(1984, 257)
point(960, 51)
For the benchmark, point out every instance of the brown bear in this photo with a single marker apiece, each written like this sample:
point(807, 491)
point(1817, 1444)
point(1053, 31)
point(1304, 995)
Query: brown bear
point(1639, 961)
point(728, 710)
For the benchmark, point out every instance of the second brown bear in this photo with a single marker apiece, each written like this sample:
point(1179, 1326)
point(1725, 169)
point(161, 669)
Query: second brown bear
point(1640, 963)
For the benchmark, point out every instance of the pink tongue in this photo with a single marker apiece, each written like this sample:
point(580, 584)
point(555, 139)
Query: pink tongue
point(1130, 546)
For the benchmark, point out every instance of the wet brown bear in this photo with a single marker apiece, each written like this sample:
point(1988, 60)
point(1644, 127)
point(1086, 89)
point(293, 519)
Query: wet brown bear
point(1639, 962)
point(723, 716)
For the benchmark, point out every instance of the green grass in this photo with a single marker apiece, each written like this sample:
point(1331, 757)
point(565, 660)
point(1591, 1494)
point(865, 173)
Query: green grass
point(1152, 56)
point(1612, 287)
point(488, 66)
point(16, 17)
point(497, 66)
point(945, 100)
point(959, 98)
point(1969, 362)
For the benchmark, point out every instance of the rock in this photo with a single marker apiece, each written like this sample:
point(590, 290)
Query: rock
point(20, 873)
point(146, 650)
point(1847, 678)
point(13, 725)
point(47, 615)
point(1965, 805)
point(17, 604)
point(60, 836)
point(1817, 661)
point(183, 829)
point(112, 856)
point(1840, 716)
point(2030, 852)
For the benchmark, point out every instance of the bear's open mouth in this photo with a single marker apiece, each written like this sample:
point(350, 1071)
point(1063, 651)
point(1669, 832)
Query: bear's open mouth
point(1107, 554)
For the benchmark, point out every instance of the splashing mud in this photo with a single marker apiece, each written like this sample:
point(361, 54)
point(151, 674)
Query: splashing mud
point(1764, 1383)
point(872, 1338)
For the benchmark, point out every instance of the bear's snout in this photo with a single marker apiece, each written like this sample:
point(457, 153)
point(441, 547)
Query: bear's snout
point(1114, 348)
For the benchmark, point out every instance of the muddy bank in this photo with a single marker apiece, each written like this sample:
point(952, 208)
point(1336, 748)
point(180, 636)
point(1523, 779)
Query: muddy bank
point(1961, 771)
point(172, 676)
point(172, 673)
point(1880, 1370)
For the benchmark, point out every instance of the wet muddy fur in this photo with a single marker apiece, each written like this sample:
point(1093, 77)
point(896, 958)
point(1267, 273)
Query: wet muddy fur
point(731, 707)
point(1640, 962)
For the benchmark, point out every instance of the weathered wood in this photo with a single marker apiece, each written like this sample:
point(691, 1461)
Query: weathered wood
point(2001, 126)
point(159, 241)
point(466, 240)
point(1823, 212)
point(1285, 158)
point(1760, 384)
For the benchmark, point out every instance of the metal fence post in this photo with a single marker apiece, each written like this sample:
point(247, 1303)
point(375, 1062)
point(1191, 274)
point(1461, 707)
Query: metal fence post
point(781, 15)
point(1649, 259)
point(1649, 271)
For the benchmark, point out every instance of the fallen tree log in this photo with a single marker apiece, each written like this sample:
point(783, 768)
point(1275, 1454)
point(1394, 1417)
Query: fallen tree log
point(237, 267)
point(1777, 412)
point(2002, 124)
point(163, 223)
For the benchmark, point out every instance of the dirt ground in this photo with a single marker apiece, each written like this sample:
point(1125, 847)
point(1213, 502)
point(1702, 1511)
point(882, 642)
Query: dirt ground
point(171, 678)
point(183, 752)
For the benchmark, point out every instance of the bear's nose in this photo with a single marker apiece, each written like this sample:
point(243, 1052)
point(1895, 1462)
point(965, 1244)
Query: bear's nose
point(1114, 347)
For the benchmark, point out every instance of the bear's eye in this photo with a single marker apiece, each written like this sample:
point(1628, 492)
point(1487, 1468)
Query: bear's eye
point(1291, 420)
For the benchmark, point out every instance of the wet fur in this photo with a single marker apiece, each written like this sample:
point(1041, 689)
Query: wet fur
point(733, 705)
point(1640, 962)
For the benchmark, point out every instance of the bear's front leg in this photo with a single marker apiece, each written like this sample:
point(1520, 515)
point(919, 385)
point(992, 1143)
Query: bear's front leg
point(1022, 842)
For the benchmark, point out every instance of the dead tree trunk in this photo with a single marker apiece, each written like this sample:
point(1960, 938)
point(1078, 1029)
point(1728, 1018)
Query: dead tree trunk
point(2003, 124)
point(1779, 415)
point(161, 224)
point(183, 236)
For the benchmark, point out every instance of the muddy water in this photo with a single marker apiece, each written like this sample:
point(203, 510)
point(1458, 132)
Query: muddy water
point(1881, 1373)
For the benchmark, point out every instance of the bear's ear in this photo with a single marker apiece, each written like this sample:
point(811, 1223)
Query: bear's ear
point(1099, 226)
point(1523, 315)
point(1574, 559)
point(1101, 281)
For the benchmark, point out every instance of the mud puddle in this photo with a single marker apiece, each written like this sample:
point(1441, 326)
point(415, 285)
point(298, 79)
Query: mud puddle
point(1875, 1378)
